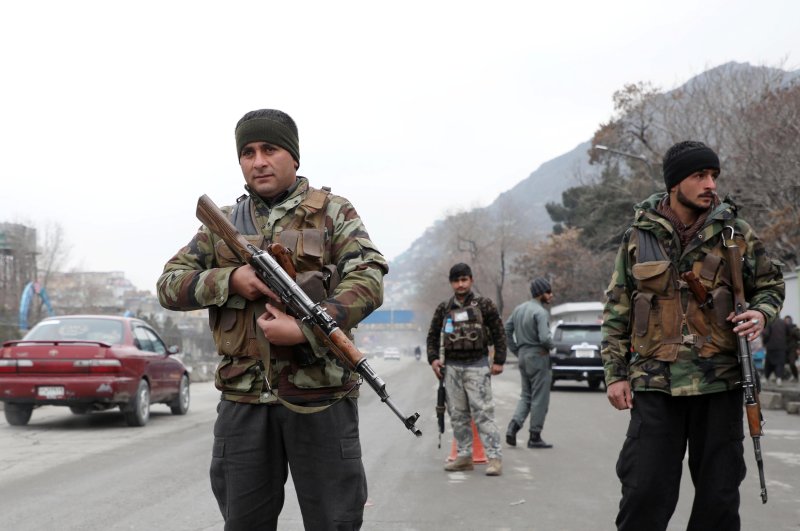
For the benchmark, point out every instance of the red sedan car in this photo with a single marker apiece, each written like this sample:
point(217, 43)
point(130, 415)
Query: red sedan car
point(91, 363)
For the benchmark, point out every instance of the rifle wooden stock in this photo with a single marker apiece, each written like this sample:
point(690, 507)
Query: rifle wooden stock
point(213, 218)
point(283, 256)
point(698, 290)
point(754, 419)
point(345, 349)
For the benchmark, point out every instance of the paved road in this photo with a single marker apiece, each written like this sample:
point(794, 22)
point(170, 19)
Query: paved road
point(93, 472)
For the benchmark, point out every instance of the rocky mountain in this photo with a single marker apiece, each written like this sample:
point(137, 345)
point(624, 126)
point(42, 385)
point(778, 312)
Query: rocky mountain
point(525, 203)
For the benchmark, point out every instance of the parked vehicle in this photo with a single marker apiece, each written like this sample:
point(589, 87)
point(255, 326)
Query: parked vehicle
point(391, 353)
point(576, 355)
point(91, 363)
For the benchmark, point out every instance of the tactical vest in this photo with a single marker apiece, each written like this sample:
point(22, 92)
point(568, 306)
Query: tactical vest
point(467, 331)
point(234, 326)
point(665, 315)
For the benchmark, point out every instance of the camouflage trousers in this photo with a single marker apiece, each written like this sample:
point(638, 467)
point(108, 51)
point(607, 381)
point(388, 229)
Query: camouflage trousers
point(469, 398)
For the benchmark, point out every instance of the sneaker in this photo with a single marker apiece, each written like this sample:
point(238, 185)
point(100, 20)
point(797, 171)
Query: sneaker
point(461, 463)
point(779, 382)
point(494, 467)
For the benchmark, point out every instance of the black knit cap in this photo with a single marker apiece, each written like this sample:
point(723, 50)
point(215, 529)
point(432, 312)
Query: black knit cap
point(460, 270)
point(686, 158)
point(268, 125)
point(539, 286)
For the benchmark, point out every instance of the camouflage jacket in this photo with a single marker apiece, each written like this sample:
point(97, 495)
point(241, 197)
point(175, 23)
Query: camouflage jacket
point(493, 332)
point(198, 277)
point(686, 369)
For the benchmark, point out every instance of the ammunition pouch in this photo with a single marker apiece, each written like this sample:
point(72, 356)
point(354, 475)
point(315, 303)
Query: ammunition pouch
point(658, 312)
point(468, 330)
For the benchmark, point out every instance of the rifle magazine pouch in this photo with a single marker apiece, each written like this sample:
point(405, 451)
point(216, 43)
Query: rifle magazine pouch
point(653, 277)
point(642, 303)
point(234, 327)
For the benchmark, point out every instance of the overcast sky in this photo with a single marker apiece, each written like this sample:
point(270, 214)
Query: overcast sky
point(116, 116)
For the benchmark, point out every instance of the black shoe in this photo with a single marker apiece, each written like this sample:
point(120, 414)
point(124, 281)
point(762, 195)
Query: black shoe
point(536, 441)
point(511, 433)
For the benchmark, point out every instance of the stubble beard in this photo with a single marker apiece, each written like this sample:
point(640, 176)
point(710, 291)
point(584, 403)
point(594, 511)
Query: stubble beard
point(688, 203)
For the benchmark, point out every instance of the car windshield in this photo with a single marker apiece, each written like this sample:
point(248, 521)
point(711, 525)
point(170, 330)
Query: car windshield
point(579, 334)
point(77, 329)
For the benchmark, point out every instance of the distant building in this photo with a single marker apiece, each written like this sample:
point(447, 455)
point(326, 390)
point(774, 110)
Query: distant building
point(89, 291)
point(17, 263)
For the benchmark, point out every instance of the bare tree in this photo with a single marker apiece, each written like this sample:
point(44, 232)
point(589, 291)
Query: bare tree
point(749, 115)
point(575, 272)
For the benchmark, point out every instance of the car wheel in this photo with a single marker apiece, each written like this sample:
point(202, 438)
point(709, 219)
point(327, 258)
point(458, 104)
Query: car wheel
point(80, 410)
point(137, 412)
point(180, 405)
point(594, 385)
point(17, 414)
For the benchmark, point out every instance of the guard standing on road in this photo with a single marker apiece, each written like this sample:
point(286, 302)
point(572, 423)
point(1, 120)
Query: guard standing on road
point(465, 325)
point(286, 402)
point(673, 358)
point(529, 338)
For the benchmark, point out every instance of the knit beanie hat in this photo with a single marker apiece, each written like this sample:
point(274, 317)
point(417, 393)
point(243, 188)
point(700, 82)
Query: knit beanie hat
point(460, 270)
point(686, 158)
point(539, 286)
point(268, 125)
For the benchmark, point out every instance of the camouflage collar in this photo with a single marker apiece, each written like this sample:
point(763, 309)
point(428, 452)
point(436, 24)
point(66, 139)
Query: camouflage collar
point(278, 210)
point(647, 216)
point(454, 303)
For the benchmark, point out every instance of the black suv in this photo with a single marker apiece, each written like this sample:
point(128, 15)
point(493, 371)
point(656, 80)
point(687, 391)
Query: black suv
point(577, 353)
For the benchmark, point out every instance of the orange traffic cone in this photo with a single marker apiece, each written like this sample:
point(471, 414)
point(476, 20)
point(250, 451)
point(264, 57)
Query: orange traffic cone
point(478, 453)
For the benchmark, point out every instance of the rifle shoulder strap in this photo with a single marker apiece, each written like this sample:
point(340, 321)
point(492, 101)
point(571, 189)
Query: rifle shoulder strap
point(297, 408)
point(241, 215)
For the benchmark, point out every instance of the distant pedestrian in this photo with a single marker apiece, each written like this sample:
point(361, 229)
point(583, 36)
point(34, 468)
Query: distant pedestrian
point(792, 343)
point(463, 327)
point(528, 336)
point(776, 337)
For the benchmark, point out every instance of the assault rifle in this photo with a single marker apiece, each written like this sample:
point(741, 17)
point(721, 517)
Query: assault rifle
point(751, 403)
point(441, 393)
point(441, 399)
point(278, 280)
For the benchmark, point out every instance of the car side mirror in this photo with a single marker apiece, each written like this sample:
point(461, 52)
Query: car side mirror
point(174, 349)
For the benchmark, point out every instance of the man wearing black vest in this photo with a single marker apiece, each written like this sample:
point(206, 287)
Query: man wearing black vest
point(462, 328)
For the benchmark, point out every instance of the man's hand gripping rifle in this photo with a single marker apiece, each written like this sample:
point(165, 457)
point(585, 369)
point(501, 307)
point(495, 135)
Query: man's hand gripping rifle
point(280, 282)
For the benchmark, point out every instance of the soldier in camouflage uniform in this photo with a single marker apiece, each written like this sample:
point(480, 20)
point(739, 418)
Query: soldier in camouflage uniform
point(462, 328)
point(285, 400)
point(675, 363)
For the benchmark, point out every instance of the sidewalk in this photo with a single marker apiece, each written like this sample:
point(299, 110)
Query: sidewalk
point(774, 397)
